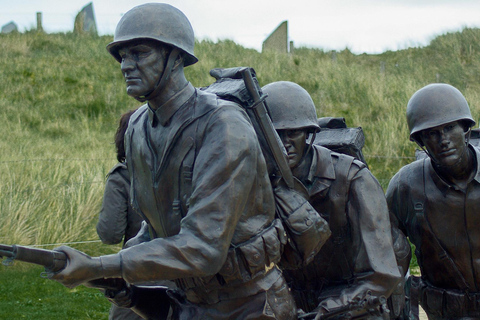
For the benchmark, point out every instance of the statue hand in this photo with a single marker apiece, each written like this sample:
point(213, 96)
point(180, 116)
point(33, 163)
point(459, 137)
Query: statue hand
point(122, 298)
point(80, 268)
point(143, 235)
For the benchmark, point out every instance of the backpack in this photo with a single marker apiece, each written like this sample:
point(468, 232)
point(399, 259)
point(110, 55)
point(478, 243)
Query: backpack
point(306, 230)
point(336, 136)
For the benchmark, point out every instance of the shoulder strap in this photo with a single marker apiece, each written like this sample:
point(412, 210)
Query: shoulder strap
point(339, 222)
point(194, 135)
point(419, 207)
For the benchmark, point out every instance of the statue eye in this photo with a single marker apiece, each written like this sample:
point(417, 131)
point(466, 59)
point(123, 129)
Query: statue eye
point(449, 127)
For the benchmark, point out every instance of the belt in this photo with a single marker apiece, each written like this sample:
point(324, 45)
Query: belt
point(448, 302)
point(263, 283)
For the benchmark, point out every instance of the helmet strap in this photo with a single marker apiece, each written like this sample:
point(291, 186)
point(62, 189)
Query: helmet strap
point(312, 139)
point(426, 152)
point(468, 135)
point(307, 151)
point(167, 71)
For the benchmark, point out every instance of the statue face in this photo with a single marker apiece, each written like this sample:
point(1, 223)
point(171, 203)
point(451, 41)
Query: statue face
point(446, 143)
point(295, 142)
point(142, 66)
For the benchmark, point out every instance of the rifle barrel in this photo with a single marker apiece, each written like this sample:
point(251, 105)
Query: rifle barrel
point(268, 130)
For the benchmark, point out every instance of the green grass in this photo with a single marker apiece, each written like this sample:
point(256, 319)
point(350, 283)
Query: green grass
point(25, 295)
point(61, 96)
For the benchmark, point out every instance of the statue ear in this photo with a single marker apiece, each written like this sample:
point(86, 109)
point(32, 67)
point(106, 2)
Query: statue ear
point(179, 61)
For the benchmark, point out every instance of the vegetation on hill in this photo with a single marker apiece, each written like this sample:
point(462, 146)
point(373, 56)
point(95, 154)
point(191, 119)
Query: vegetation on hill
point(62, 95)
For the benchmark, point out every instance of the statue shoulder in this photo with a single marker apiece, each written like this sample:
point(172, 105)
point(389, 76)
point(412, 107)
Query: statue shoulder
point(408, 180)
point(346, 164)
point(210, 103)
point(410, 172)
point(119, 167)
point(136, 116)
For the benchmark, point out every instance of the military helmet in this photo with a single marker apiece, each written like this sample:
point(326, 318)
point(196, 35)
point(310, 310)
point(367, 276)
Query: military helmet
point(434, 105)
point(290, 106)
point(156, 21)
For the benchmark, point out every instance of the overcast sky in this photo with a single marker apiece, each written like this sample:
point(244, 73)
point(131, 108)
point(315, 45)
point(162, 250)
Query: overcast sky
point(370, 26)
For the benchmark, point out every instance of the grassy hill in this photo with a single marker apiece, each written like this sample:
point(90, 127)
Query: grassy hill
point(61, 96)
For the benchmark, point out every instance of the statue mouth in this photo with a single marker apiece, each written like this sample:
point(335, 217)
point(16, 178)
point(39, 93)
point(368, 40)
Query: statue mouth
point(132, 80)
point(448, 152)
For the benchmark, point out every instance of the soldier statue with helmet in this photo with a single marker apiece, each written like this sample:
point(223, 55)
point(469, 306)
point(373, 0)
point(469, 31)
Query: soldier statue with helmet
point(435, 201)
point(200, 181)
point(358, 260)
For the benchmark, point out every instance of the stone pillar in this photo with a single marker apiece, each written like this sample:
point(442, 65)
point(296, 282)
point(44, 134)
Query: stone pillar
point(39, 22)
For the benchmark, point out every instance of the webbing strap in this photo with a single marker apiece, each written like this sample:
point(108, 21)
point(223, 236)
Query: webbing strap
point(419, 201)
point(338, 219)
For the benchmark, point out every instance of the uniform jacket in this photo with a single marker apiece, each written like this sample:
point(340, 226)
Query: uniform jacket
point(200, 181)
point(117, 219)
point(442, 222)
point(359, 255)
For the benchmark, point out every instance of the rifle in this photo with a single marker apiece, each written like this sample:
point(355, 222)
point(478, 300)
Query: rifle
point(150, 302)
point(269, 138)
point(358, 308)
point(53, 261)
point(274, 142)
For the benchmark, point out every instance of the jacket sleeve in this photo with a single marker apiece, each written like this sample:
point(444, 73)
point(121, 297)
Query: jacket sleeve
point(402, 248)
point(112, 221)
point(375, 267)
point(223, 177)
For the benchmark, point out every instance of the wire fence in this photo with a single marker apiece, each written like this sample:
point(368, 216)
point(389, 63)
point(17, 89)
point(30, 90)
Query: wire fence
point(383, 180)
point(64, 243)
point(74, 184)
point(108, 159)
point(55, 159)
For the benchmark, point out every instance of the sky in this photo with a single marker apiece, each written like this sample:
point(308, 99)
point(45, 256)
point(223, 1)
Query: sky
point(362, 26)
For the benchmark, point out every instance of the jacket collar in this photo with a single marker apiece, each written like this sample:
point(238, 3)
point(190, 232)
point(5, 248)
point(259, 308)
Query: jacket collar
point(322, 172)
point(164, 113)
point(322, 164)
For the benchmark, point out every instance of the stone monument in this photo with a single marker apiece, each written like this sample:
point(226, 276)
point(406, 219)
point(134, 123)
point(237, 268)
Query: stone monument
point(278, 39)
point(85, 21)
point(9, 27)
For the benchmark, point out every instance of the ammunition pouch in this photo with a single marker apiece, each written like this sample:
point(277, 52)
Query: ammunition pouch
point(245, 262)
point(448, 303)
point(307, 231)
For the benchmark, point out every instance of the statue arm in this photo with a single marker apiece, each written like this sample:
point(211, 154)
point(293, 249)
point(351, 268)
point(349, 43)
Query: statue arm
point(112, 220)
point(395, 202)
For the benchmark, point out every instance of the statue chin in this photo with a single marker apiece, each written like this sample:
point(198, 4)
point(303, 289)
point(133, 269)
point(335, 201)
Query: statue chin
point(140, 96)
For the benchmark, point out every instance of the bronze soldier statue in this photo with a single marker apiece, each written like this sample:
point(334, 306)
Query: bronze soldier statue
point(199, 179)
point(435, 201)
point(358, 260)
